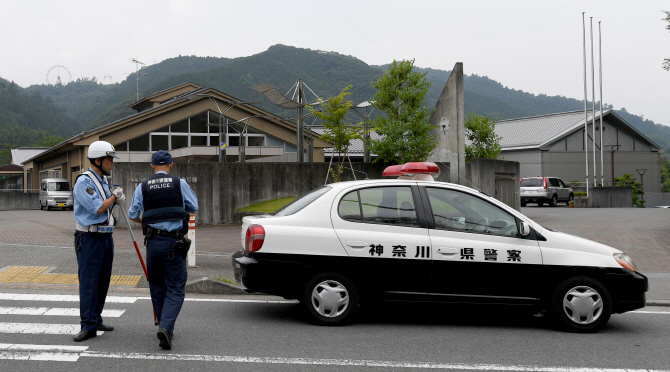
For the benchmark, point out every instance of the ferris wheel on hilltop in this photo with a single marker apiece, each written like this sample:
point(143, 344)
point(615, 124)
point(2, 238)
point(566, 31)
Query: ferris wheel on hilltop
point(58, 75)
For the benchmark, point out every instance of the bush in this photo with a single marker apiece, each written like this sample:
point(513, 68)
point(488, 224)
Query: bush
point(580, 194)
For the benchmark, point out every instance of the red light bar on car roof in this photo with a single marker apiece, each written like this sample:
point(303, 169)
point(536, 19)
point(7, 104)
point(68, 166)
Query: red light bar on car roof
point(420, 168)
point(393, 170)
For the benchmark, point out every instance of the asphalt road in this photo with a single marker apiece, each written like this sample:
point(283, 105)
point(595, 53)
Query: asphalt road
point(224, 333)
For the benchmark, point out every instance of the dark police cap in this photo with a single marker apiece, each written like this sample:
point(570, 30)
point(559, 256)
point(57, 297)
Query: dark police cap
point(161, 157)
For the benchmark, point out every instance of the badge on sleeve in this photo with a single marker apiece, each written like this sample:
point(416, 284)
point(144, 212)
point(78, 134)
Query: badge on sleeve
point(89, 190)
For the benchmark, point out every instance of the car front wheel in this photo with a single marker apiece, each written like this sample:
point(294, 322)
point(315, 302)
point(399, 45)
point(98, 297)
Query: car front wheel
point(330, 299)
point(571, 199)
point(581, 304)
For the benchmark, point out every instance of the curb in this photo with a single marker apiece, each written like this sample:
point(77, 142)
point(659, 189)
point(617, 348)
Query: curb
point(209, 286)
point(658, 303)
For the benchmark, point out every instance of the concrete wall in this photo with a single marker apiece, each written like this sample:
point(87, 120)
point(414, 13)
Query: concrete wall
point(607, 197)
point(222, 188)
point(449, 119)
point(489, 176)
point(10, 201)
point(653, 199)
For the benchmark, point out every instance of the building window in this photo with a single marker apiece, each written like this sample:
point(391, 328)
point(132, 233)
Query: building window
point(199, 123)
point(139, 143)
point(180, 127)
point(159, 142)
point(179, 142)
point(198, 141)
point(123, 146)
point(255, 141)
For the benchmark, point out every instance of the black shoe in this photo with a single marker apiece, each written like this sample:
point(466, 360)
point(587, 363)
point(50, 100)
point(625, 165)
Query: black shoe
point(85, 335)
point(165, 339)
point(104, 328)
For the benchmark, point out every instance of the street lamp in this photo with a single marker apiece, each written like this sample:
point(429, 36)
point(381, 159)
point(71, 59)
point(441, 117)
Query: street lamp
point(365, 115)
point(231, 104)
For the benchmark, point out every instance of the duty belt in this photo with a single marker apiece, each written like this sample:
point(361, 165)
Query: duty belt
point(95, 228)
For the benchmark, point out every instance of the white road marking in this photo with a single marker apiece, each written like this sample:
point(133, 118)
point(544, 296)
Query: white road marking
point(42, 328)
point(54, 311)
point(650, 312)
point(63, 298)
point(124, 299)
point(30, 347)
point(73, 353)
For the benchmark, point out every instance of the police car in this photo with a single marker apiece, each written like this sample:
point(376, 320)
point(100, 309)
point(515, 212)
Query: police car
point(415, 240)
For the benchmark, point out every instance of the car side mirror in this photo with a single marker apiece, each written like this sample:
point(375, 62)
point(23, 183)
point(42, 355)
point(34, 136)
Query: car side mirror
point(525, 228)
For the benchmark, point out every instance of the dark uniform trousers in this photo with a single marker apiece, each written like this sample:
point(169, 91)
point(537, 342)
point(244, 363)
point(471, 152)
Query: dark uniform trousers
point(167, 278)
point(95, 254)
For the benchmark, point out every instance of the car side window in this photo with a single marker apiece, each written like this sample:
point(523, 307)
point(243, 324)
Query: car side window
point(455, 210)
point(561, 184)
point(380, 205)
point(553, 182)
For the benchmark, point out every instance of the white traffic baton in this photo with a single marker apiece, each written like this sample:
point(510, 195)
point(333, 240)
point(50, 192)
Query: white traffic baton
point(139, 255)
point(191, 236)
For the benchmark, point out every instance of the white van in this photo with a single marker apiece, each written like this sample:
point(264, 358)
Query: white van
point(56, 193)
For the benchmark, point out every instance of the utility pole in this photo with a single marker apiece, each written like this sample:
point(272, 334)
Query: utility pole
point(138, 76)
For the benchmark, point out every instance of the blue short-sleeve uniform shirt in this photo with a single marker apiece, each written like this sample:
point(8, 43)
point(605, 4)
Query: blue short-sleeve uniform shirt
point(87, 200)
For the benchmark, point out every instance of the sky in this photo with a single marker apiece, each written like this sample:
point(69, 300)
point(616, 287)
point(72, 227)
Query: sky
point(534, 46)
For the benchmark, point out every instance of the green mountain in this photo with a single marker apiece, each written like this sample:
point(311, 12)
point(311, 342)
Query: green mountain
point(325, 73)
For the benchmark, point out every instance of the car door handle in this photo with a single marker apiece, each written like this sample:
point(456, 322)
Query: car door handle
point(357, 244)
point(447, 251)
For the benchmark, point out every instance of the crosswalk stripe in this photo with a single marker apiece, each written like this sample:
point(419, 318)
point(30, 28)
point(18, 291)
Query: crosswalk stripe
point(42, 328)
point(61, 298)
point(56, 357)
point(54, 311)
point(32, 347)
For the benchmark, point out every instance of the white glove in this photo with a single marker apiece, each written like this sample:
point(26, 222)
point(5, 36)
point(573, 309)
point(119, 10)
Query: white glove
point(120, 196)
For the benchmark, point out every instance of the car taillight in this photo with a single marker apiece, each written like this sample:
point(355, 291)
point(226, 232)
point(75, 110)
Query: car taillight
point(254, 238)
point(520, 180)
point(544, 180)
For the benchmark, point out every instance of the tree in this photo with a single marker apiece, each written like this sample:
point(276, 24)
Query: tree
point(337, 132)
point(48, 141)
point(480, 131)
point(404, 127)
point(665, 175)
point(666, 63)
point(629, 180)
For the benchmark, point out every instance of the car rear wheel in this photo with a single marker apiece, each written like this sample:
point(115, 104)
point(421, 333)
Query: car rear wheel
point(554, 201)
point(330, 299)
point(581, 304)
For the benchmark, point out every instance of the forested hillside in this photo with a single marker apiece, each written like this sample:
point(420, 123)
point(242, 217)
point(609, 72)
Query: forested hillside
point(28, 114)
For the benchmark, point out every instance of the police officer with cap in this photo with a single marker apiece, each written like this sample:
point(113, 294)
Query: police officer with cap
point(166, 202)
point(93, 203)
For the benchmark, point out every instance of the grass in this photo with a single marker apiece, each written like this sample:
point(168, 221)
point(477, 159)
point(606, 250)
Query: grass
point(267, 206)
point(226, 280)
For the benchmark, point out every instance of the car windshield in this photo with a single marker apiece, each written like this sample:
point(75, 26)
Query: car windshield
point(532, 182)
point(302, 201)
point(59, 186)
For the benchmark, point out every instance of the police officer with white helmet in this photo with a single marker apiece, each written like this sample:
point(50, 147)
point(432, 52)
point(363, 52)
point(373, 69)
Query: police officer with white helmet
point(93, 204)
point(166, 201)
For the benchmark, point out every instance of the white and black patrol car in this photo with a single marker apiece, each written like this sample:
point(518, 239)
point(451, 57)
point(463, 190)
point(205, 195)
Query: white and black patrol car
point(416, 240)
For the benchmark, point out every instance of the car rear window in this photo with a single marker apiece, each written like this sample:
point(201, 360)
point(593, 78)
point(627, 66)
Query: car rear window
point(532, 182)
point(302, 201)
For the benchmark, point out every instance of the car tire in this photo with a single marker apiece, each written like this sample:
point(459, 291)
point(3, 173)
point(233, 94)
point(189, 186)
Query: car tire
point(581, 305)
point(554, 201)
point(571, 199)
point(41, 206)
point(48, 207)
point(330, 299)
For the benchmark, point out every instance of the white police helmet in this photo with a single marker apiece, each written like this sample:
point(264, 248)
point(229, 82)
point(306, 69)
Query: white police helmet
point(101, 149)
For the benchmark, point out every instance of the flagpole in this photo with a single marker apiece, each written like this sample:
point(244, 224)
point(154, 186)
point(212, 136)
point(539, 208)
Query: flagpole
point(593, 110)
point(586, 118)
point(602, 128)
